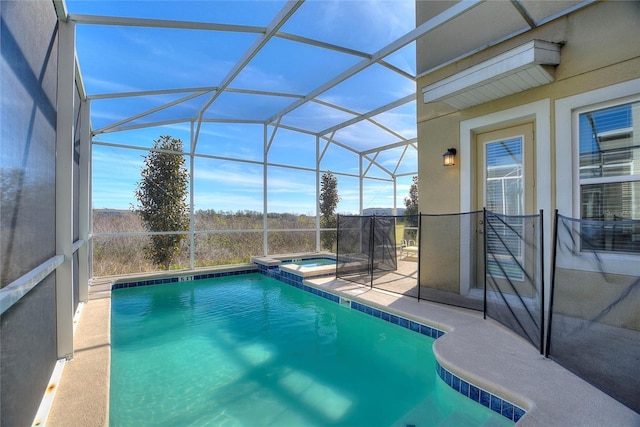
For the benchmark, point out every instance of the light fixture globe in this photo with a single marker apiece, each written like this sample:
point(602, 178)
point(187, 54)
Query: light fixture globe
point(449, 158)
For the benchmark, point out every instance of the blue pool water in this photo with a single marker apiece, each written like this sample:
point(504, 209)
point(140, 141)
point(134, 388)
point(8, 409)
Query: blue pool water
point(251, 351)
point(312, 262)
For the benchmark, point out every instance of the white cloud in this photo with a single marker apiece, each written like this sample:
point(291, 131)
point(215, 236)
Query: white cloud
point(222, 201)
point(378, 21)
point(234, 180)
point(105, 85)
point(252, 77)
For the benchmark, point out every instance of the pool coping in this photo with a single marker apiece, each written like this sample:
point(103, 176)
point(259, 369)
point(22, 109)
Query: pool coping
point(551, 395)
point(275, 262)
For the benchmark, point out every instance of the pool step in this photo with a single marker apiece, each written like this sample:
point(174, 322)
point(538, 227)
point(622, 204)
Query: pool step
point(345, 302)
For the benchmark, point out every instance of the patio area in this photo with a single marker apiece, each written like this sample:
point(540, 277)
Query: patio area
point(514, 370)
point(268, 98)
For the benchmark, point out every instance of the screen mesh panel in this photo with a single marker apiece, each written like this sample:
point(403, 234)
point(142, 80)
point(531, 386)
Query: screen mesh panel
point(28, 344)
point(366, 248)
point(398, 270)
point(514, 285)
point(451, 267)
point(28, 198)
point(353, 255)
point(384, 272)
point(594, 326)
point(384, 244)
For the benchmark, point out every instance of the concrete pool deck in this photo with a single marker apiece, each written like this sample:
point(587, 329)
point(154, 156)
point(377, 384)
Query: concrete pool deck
point(480, 351)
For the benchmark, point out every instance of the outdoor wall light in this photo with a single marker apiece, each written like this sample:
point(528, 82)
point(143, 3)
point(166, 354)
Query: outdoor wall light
point(449, 158)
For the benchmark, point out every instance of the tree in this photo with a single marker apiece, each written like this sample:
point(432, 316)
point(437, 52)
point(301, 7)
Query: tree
point(329, 199)
point(411, 204)
point(162, 194)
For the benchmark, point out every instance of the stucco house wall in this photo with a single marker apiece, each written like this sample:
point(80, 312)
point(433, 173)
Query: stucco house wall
point(599, 50)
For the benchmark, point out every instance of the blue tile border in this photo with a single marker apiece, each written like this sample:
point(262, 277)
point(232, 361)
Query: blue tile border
point(296, 281)
point(165, 280)
point(398, 320)
point(495, 403)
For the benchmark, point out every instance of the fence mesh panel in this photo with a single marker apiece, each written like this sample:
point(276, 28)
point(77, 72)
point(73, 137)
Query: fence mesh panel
point(366, 248)
point(388, 235)
point(353, 253)
point(401, 278)
point(595, 304)
point(452, 265)
point(514, 280)
point(384, 245)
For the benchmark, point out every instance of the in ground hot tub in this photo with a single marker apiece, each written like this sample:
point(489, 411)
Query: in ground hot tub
point(304, 265)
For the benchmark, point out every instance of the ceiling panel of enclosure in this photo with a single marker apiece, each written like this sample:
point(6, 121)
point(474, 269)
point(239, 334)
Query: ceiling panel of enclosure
point(343, 71)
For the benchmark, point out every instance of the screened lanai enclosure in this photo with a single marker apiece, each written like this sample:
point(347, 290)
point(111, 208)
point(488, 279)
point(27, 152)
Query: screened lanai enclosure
point(267, 97)
point(265, 101)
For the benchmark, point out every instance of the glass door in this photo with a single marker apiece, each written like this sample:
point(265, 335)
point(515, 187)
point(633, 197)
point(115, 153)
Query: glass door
point(505, 187)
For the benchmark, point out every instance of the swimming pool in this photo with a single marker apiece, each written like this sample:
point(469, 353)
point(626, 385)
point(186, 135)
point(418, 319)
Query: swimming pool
point(249, 350)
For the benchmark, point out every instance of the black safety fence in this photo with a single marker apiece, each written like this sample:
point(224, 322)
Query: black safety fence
point(494, 263)
point(594, 328)
point(402, 276)
point(452, 259)
point(514, 286)
point(366, 248)
point(353, 252)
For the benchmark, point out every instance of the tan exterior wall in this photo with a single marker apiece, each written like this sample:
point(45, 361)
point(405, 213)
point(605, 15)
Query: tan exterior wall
point(442, 270)
point(580, 294)
point(600, 48)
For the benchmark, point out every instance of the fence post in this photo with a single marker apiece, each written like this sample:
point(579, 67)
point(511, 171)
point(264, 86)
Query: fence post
point(541, 251)
point(554, 247)
point(484, 257)
point(419, 238)
point(337, 242)
point(372, 242)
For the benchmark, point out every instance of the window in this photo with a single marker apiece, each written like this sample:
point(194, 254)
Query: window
point(609, 171)
point(504, 186)
point(504, 195)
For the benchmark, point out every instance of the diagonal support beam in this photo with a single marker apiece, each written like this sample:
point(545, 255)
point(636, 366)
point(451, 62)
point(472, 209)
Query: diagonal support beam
point(326, 147)
point(370, 114)
point(148, 112)
point(273, 135)
point(430, 25)
point(149, 93)
point(524, 13)
point(375, 162)
point(272, 29)
point(160, 23)
point(410, 142)
point(404, 151)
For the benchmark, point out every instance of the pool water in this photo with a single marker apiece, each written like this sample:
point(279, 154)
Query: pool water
point(312, 262)
point(251, 351)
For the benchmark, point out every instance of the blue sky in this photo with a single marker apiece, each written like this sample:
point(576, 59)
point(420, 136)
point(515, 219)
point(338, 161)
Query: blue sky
point(116, 59)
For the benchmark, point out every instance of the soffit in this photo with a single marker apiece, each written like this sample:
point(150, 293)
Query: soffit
point(519, 69)
point(485, 25)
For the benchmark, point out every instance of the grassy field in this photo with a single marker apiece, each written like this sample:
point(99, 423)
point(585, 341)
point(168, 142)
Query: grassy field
point(221, 238)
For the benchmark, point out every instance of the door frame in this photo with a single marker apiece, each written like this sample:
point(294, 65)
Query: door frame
point(525, 134)
point(539, 113)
